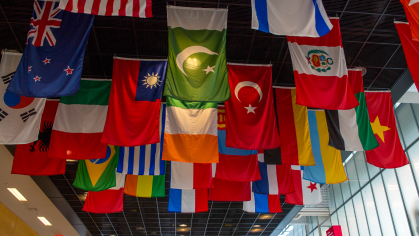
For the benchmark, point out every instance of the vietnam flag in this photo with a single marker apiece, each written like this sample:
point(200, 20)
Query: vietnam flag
point(251, 122)
point(411, 8)
point(389, 154)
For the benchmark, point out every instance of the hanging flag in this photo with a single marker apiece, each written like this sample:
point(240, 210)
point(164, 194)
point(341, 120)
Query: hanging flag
point(390, 153)
point(350, 130)
point(291, 17)
point(190, 175)
point(190, 132)
point(135, 8)
point(411, 8)
point(197, 54)
point(294, 129)
point(144, 160)
point(32, 158)
point(234, 164)
point(306, 192)
point(52, 61)
point(145, 185)
point(329, 167)
point(79, 121)
point(276, 179)
point(251, 122)
point(226, 191)
point(134, 104)
point(410, 48)
point(321, 76)
point(272, 156)
point(262, 203)
point(188, 200)
point(20, 117)
point(98, 174)
point(106, 201)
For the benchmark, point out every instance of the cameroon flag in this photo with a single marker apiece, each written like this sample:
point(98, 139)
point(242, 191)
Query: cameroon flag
point(98, 174)
point(145, 185)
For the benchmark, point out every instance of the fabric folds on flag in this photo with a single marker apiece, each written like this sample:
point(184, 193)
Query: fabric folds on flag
point(291, 17)
point(200, 32)
point(190, 132)
point(144, 160)
point(52, 61)
point(226, 191)
point(145, 185)
point(350, 130)
point(20, 117)
point(321, 76)
point(134, 8)
point(98, 174)
point(306, 192)
point(294, 129)
point(251, 122)
point(390, 153)
point(329, 167)
point(134, 103)
point(190, 175)
point(262, 203)
point(79, 122)
point(188, 200)
point(276, 179)
point(411, 8)
point(32, 158)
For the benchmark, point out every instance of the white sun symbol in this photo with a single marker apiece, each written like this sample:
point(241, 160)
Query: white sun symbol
point(152, 80)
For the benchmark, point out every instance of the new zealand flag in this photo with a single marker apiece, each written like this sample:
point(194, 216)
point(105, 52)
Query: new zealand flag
point(52, 62)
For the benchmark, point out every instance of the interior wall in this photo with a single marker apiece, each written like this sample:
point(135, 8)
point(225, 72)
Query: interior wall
point(12, 225)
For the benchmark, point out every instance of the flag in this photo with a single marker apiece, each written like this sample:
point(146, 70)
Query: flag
point(135, 8)
point(411, 8)
point(272, 156)
point(251, 122)
point(226, 191)
point(197, 54)
point(190, 133)
point(321, 76)
point(52, 61)
point(188, 200)
point(234, 164)
point(329, 167)
point(190, 175)
point(306, 192)
point(20, 117)
point(144, 160)
point(290, 17)
point(276, 179)
point(410, 48)
point(262, 203)
point(294, 129)
point(390, 153)
point(107, 201)
point(32, 158)
point(350, 130)
point(145, 185)
point(134, 104)
point(98, 174)
point(79, 122)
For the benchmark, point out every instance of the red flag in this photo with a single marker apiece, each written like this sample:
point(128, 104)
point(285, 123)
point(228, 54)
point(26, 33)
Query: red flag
point(411, 8)
point(237, 168)
point(107, 201)
point(32, 158)
point(251, 122)
point(390, 153)
point(225, 190)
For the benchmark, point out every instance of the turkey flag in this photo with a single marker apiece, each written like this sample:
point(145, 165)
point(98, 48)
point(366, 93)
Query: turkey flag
point(250, 115)
point(411, 8)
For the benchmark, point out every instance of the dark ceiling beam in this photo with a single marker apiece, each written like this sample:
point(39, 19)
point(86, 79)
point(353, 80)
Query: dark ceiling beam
point(384, 67)
point(11, 28)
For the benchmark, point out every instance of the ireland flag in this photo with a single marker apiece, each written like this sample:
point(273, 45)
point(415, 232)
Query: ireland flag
point(197, 54)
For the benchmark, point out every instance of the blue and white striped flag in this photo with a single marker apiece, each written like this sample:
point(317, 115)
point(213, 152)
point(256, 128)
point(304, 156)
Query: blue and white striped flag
point(144, 160)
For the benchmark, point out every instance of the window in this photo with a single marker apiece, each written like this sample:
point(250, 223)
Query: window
point(382, 207)
point(338, 195)
point(361, 168)
point(413, 153)
point(350, 216)
point(332, 206)
point(371, 211)
point(360, 215)
point(342, 221)
point(346, 192)
point(352, 175)
point(407, 123)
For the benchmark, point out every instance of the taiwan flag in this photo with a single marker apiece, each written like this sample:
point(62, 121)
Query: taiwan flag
point(135, 101)
point(52, 62)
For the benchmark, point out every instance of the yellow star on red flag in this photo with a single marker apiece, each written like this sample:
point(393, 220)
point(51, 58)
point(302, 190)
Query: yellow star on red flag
point(379, 129)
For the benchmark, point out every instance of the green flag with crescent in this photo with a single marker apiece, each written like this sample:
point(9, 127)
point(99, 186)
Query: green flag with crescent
point(197, 55)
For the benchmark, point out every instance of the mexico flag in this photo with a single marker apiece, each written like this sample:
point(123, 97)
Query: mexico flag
point(321, 76)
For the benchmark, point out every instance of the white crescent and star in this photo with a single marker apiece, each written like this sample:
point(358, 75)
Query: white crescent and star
point(183, 55)
point(240, 85)
point(413, 2)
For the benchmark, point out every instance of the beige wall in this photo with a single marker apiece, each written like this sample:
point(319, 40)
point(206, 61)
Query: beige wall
point(11, 225)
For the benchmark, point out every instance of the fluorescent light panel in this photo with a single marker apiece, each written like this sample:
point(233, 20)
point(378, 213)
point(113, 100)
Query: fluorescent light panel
point(44, 220)
point(17, 194)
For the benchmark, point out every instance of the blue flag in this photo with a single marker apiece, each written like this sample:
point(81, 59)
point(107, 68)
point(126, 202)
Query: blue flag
point(52, 62)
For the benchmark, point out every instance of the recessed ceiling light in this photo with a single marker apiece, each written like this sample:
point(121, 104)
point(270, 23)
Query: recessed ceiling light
point(266, 216)
point(17, 194)
point(256, 226)
point(183, 225)
point(44, 220)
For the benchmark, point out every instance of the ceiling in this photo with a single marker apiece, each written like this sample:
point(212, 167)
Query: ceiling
point(369, 38)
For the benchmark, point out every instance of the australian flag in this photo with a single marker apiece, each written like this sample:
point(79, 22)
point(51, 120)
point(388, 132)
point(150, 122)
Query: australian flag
point(51, 65)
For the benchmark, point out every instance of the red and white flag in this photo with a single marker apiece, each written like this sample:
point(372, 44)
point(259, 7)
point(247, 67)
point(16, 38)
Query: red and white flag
point(321, 76)
point(135, 8)
point(184, 175)
point(411, 8)
point(306, 192)
point(251, 122)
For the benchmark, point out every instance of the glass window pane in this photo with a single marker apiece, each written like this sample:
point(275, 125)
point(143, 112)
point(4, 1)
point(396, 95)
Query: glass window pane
point(346, 192)
point(413, 153)
point(350, 217)
point(342, 221)
point(352, 176)
point(382, 207)
point(396, 203)
point(400, 134)
point(360, 215)
point(372, 170)
point(324, 230)
point(361, 168)
point(407, 123)
point(338, 195)
point(332, 206)
point(334, 219)
point(371, 211)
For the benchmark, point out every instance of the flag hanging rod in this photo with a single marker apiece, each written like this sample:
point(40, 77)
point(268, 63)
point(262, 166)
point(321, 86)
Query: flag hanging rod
point(284, 87)
point(139, 59)
point(245, 64)
point(379, 91)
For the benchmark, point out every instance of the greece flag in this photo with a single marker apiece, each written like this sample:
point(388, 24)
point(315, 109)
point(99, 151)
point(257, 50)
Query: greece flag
point(305, 18)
